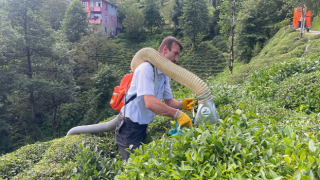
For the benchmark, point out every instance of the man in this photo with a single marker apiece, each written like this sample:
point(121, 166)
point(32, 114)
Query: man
point(150, 85)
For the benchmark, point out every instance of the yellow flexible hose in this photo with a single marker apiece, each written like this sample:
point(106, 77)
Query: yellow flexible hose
point(175, 72)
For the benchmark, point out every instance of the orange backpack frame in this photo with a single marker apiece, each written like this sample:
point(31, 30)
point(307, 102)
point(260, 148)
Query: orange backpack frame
point(117, 100)
point(119, 92)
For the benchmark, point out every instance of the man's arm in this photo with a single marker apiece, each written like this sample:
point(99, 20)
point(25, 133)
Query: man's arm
point(158, 107)
point(173, 103)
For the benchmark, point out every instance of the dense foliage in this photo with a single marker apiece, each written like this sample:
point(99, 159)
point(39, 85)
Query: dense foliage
point(194, 19)
point(316, 24)
point(75, 22)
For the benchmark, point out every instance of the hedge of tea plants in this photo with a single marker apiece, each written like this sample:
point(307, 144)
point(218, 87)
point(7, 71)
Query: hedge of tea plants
point(259, 137)
point(245, 145)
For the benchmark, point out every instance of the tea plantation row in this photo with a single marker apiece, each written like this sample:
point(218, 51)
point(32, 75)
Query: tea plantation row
point(258, 137)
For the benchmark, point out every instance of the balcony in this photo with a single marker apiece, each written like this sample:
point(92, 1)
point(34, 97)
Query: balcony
point(95, 21)
point(95, 9)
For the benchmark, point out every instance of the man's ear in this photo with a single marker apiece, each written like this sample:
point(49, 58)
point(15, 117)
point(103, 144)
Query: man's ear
point(165, 49)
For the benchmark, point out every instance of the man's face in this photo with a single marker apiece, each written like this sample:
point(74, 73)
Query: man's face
point(172, 55)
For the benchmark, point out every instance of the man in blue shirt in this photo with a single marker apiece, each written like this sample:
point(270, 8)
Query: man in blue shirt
point(150, 85)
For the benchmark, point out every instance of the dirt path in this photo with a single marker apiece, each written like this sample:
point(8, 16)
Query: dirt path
point(314, 32)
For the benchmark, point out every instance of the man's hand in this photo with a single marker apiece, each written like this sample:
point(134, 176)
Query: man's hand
point(183, 119)
point(188, 104)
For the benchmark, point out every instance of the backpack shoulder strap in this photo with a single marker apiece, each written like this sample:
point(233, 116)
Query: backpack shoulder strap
point(156, 80)
point(155, 86)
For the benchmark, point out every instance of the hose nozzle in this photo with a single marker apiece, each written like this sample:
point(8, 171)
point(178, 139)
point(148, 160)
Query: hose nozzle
point(208, 111)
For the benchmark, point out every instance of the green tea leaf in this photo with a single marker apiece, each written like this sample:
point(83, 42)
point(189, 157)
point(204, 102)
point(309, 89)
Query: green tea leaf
point(188, 168)
point(303, 156)
point(312, 146)
point(278, 178)
point(287, 159)
point(287, 141)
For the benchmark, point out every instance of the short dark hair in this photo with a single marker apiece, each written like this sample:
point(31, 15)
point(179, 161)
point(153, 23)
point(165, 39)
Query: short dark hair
point(168, 41)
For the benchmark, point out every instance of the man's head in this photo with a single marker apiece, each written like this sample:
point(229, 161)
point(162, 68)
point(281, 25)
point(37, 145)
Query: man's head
point(170, 48)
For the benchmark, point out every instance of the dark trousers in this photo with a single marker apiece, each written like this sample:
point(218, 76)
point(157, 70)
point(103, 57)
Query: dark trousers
point(129, 133)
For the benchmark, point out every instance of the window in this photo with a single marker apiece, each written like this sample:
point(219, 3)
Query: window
point(111, 17)
point(106, 18)
point(106, 6)
point(85, 4)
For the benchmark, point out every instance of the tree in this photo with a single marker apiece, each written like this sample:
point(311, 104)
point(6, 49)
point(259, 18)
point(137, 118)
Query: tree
point(177, 12)
point(227, 22)
point(100, 95)
point(75, 24)
point(255, 24)
point(61, 87)
point(8, 41)
point(194, 19)
point(152, 15)
point(123, 6)
point(54, 11)
point(26, 18)
point(232, 36)
point(133, 22)
point(215, 3)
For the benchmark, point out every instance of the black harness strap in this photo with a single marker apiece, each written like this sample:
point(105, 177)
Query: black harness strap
point(134, 96)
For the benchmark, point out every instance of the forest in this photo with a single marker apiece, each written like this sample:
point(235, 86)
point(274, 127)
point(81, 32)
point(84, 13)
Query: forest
point(58, 71)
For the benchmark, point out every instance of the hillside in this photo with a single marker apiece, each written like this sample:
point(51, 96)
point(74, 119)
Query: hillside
point(206, 60)
point(268, 130)
point(285, 45)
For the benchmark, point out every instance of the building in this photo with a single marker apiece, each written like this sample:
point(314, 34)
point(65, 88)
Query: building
point(103, 13)
point(297, 18)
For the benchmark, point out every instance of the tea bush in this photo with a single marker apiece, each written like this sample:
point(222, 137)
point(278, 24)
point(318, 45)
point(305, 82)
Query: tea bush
point(300, 92)
point(263, 84)
point(91, 164)
point(246, 145)
point(21, 159)
point(59, 159)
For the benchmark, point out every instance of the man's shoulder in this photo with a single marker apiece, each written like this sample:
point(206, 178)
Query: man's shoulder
point(144, 66)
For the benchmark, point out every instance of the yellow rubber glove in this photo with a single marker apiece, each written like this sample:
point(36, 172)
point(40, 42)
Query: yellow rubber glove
point(188, 103)
point(183, 119)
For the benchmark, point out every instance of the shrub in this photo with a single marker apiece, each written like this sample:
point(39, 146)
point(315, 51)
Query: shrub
point(244, 146)
point(16, 162)
point(316, 24)
point(263, 84)
point(58, 160)
point(300, 92)
point(91, 164)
